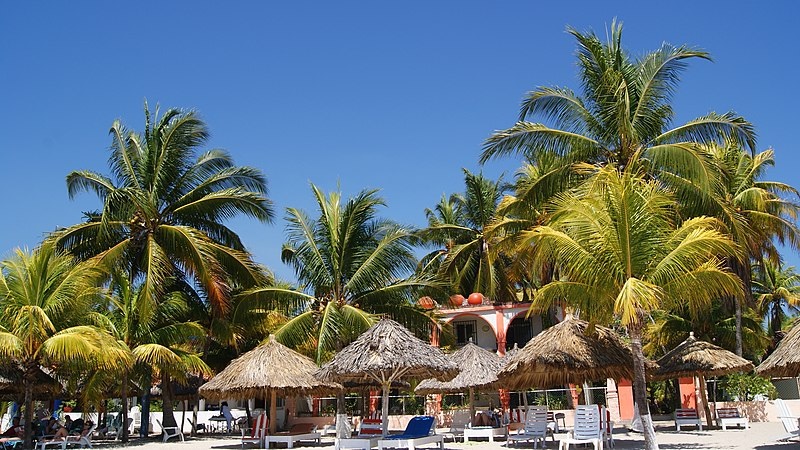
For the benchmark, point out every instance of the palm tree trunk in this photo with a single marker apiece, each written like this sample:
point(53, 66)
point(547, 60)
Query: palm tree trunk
point(739, 346)
point(124, 395)
point(28, 422)
point(168, 416)
point(640, 389)
point(144, 428)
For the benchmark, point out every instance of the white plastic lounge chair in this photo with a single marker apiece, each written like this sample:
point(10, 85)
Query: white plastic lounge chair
point(687, 416)
point(297, 432)
point(43, 444)
point(169, 432)
point(790, 422)
point(84, 439)
point(536, 427)
point(369, 433)
point(587, 428)
point(731, 416)
point(417, 432)
point(256, 434)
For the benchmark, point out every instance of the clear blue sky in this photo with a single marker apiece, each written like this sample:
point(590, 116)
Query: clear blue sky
point(391, 95)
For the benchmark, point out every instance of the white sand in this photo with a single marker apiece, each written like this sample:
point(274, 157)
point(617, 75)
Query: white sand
point(761, 436)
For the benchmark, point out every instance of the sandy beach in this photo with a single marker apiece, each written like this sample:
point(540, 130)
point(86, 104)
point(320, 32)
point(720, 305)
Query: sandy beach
point(761, 436)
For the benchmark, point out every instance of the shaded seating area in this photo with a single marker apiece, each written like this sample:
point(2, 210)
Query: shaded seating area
point(417, 433)
point(298, 432)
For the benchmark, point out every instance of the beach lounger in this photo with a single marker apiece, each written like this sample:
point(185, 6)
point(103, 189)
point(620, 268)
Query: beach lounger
point(169, 432)
point(10, 442)
point(687, 416)
point(256, 434)
point(84, 439)
point(52, 443)
point(731, 416)
point(417, 432)
point(790, 422)
point(369, 433)
point(298, 432)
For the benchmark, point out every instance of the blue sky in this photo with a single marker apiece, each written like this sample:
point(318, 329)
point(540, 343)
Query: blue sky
point(391, 95)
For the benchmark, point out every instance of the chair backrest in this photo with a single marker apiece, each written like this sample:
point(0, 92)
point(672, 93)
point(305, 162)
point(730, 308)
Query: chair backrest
point(87, 435)
point(536, 420)
point(727, 413)
point(370, 427)
point(419, 426)
point(789, 422)
point(686, 413)
point(605, 419)
point(260, 426)
point(587, 422)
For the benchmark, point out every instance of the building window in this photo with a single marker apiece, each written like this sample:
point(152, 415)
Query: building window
point(466, 331)
point(519, 332)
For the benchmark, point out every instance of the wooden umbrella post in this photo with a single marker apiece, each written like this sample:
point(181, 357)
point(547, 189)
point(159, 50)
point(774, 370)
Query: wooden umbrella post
point(273, 411)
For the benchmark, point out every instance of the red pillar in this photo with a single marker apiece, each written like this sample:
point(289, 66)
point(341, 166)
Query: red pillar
point(625, 397)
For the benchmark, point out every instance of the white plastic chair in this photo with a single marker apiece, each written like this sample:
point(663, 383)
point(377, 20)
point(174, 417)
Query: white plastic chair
point(587, 428)
point(170, 432)
point(790, 422)
point(536, 427)
point(84, 439)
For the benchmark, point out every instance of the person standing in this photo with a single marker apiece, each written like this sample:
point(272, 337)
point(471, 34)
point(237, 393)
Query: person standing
point(226, 413)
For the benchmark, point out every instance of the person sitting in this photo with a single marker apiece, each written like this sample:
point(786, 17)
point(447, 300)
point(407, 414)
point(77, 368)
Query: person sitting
point(15, 430)
point(68, 422)
point(225, 411)
point(77, 426)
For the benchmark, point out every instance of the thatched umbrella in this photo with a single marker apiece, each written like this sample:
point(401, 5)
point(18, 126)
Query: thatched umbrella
point(385, 353)
point(785, 360)
point(478, 368)
point(695, 358)
point(12, 388)
point(271, 367)
point(568, 353)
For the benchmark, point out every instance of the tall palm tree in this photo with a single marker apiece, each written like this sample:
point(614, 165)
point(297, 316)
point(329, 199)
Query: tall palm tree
point(621, 255)
point(164, 207)
point(351, 265)
point(623, 116)
point(45, 319)
point(753, 210)
point(459, 224)
point(777, 293)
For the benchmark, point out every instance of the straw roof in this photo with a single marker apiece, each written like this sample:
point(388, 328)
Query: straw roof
point(478, 368)
point(785, 360)
point(269, 367)
point(693, 357)
point(388, 352)
point(566, 353)
point(12, 388)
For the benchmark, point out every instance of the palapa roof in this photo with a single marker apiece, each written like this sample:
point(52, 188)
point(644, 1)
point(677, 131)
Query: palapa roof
point(269, 367)
point(785, 360)
point(388, 352)
point(693, 357)
point(12, 388)
point(478, 370)
point(565, 353)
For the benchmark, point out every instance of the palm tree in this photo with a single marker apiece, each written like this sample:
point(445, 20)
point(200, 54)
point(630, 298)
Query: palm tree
point(777, 293)
point(162, 343)
point(45, 319)
point(163, 209)
point(752, 209)
point(351, 265)
point(621, 255)
point(459, 224)
point(624, 116)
